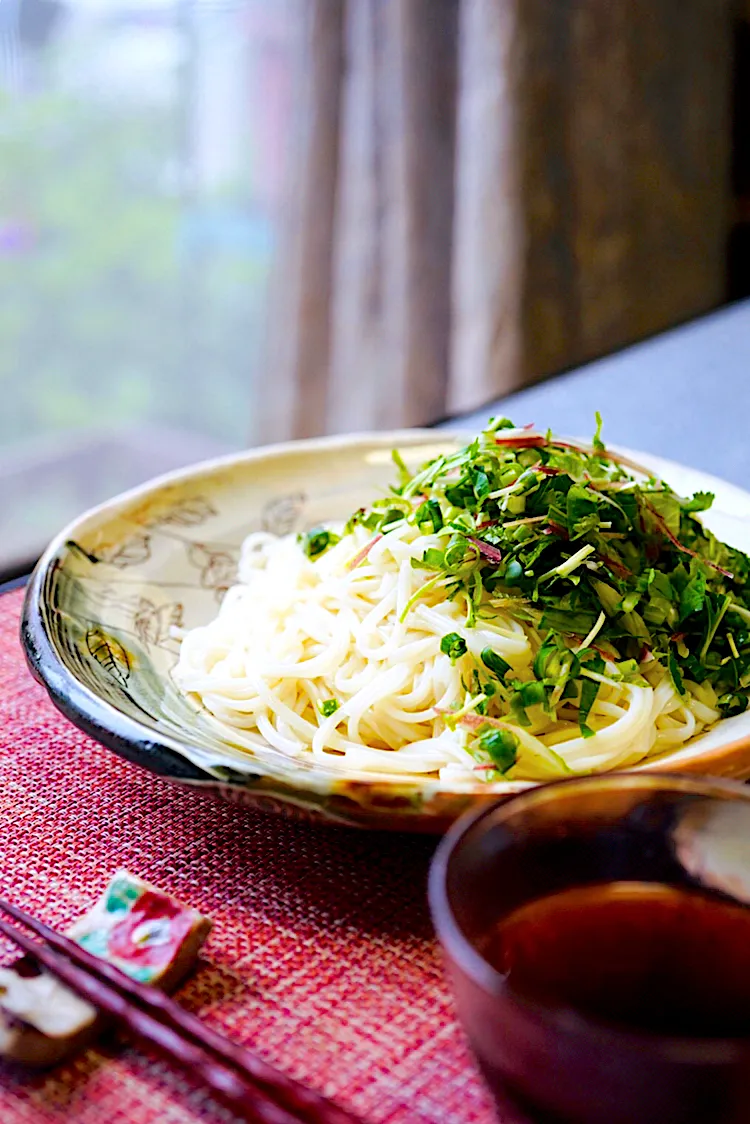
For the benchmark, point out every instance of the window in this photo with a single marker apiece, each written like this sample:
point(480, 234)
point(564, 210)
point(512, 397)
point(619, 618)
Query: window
point(141, 156)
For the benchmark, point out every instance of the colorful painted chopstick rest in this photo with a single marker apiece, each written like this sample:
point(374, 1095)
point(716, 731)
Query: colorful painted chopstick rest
point(141, 930)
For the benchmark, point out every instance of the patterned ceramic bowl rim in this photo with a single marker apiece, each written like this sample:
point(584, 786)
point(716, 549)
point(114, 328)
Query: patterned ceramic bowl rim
point(384, 802)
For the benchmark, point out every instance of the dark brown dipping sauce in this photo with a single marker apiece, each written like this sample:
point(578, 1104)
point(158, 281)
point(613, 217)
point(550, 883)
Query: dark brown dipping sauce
point(645, 955)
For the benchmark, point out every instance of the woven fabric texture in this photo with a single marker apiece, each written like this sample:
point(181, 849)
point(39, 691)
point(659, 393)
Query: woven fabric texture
point(322, 957)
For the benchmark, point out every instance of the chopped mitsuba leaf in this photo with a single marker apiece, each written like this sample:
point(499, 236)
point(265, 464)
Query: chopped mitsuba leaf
point(429, 514)
point(453, 645)
point(701, 501)
point(495, 663)
point(316, 541)
point(597, 441)
point(675, 673)
point(501, 746)
point(693, 595)
point(531, 694)
point(589, 692)
point(513, 571)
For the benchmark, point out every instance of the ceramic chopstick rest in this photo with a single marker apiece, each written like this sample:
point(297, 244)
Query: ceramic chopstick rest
point(143, 931)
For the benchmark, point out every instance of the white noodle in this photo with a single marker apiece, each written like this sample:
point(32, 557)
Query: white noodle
point(294, 634)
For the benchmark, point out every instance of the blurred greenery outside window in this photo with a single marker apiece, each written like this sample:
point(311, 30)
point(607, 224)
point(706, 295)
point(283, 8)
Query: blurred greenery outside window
point(141, 162)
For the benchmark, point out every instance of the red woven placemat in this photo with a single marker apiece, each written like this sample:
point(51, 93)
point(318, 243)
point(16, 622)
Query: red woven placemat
point(322, 957)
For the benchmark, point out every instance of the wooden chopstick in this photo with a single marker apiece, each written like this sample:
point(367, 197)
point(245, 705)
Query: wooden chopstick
point(245, 1083)
point(290, 1094)
point(233, 1088)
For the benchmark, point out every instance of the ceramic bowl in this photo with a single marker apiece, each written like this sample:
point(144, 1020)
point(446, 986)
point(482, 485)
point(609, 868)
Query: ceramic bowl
point(545, 1060)
point(100, 608)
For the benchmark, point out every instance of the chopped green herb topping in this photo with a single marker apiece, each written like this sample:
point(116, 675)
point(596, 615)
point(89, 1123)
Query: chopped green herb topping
point(496, 664)
point(327, 707)
point(501, 746)
point(317, 541)
point(453, 645)
point(611, 571)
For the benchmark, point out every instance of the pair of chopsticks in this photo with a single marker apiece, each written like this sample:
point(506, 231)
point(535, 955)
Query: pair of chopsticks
point(246, 1084)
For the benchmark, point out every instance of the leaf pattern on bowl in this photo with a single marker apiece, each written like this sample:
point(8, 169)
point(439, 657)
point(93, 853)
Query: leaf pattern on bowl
point(153, 623)
point(282, 514)
point(191, 512)
point(218, 568)
point(109, 654)
point(133, 551)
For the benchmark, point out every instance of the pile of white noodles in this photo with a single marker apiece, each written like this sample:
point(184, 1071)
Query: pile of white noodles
point(363, 627)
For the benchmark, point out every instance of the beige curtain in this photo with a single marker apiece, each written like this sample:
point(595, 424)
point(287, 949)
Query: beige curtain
point(483, 192)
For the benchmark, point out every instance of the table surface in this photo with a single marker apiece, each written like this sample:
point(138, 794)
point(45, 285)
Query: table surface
point(322, 957)
point(684, 395)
